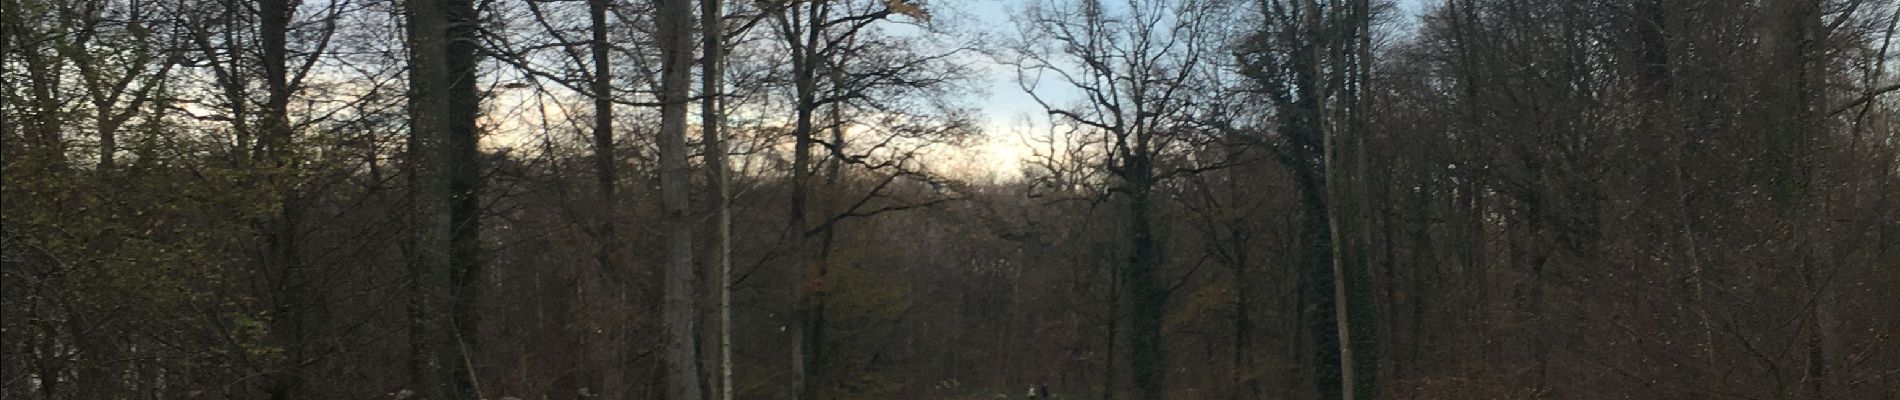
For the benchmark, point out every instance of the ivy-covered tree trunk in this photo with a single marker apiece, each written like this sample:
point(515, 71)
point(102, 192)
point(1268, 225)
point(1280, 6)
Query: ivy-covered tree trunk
point(1320, 72)
point(465, 185)
point(1792, 39)
point(1146, 296)
point(444, 279)
point(293, 304)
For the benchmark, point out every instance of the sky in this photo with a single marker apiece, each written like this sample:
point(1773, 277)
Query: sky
point(1008, 111)
point(1009, 114)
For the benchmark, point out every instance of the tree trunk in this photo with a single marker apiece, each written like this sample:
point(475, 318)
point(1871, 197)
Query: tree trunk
point(293, 306)
point(1340, 303)
point(431, 330)
point(1794, 81)
point(1113, 337)
point(1359, 297)
point(809, 294)
point(602, 88)
point(43, 84)
point(1145, 295)
point(465, 185)
point(1240, 235)
point(675, 21)
point(712, 114)
point(443, 185)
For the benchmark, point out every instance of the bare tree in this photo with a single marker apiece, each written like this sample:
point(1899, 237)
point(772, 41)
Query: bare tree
point(1136, 66)
point(675, 24)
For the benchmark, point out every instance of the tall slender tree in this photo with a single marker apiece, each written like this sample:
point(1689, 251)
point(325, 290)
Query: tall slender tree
point(1303, 82)
point(601, 88)
point(712, 123)
point(680, 310)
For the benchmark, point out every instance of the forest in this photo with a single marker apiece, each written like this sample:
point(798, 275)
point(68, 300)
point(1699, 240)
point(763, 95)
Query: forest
point(949, 199)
